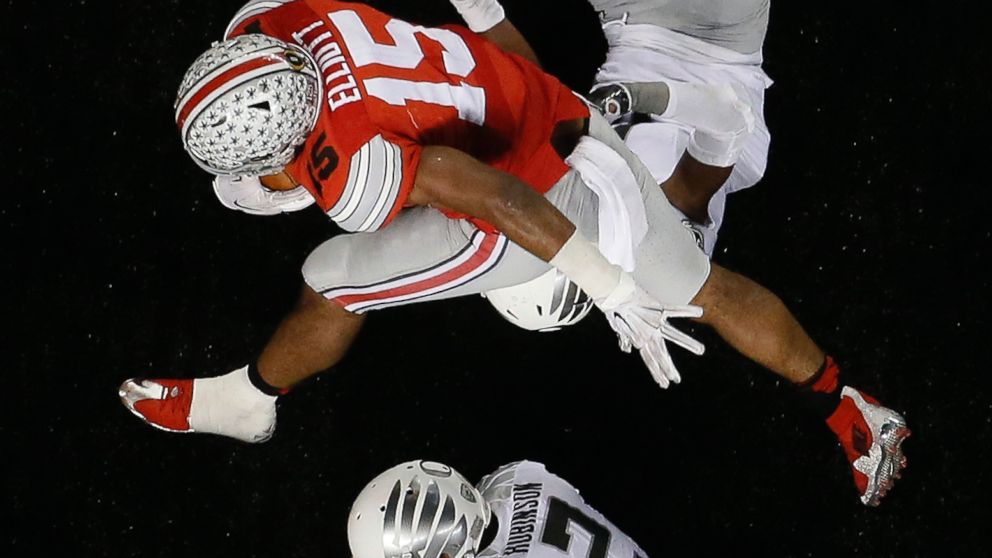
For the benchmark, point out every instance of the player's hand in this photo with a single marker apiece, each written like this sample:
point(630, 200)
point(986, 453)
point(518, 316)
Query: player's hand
point(612, 99)
point(641, 323)
point(480, 15)
point(247, 194)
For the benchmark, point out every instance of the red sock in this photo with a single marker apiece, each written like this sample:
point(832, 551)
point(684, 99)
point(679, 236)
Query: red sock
point(821, 391)
point(826, 379)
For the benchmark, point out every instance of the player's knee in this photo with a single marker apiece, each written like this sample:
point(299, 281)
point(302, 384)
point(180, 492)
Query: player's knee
point(326, 266)
point(737, 117)
point(326, 269)
point(729, 296)
point(717, 294)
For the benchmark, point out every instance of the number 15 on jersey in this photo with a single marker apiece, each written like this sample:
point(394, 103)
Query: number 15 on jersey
point(407, 54)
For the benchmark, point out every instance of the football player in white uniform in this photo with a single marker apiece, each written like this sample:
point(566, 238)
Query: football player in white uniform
point(658, 48)
point(429, 510)
point(683, 80)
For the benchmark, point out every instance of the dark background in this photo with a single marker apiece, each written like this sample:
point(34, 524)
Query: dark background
point(119, 262)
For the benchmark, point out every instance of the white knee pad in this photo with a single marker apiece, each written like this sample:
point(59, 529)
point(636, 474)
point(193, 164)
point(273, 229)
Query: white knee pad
point(720, 117)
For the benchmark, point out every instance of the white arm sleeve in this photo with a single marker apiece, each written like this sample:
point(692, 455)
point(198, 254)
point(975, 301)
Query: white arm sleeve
point(372, 190)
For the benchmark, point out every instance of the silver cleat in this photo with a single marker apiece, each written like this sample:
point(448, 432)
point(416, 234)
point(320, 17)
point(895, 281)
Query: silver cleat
point(883, 462)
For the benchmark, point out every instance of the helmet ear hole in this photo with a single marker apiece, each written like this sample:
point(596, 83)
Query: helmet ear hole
point(295, 60)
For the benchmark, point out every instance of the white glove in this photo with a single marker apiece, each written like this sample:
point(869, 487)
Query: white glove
point(247, 194)
point(480, 15)
point(641, 322)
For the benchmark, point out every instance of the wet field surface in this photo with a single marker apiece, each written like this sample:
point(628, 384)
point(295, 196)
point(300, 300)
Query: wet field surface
point(870, 223)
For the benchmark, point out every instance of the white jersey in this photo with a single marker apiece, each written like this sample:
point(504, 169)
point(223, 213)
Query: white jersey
point(645, 48)
point(542, 516)
point(738, 25)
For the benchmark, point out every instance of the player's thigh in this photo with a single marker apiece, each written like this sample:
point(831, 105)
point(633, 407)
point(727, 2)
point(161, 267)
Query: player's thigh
point(659, 145)
point(669, 263)
point(421, 256)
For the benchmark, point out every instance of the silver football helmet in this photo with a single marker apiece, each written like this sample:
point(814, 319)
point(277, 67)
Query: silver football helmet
point(547, 303)
point(246, 104)
point(418, 509)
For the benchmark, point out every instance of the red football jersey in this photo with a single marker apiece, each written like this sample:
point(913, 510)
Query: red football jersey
point(390, 88)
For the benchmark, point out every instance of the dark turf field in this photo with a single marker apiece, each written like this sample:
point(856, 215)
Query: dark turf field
point(871, 223)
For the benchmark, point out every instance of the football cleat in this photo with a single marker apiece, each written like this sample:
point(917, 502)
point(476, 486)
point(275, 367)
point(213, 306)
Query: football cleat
point(228, 405)
point(162, 404)
point(872, 438)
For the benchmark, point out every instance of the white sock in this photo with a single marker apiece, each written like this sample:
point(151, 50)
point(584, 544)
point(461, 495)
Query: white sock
point(231, 406)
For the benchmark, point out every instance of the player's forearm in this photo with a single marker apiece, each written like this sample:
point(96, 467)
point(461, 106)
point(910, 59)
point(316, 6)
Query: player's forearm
point(457, 181)
point(528, 219)
point(453, 180)
point(532, 222)
point(487, 18)
point(506, 36)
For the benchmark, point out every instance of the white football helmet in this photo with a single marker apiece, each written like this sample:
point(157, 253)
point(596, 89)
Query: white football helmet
point(417, 509)
point(547, 303)
point(246, 104)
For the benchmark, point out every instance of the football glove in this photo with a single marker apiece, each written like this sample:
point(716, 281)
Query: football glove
point(641, 323)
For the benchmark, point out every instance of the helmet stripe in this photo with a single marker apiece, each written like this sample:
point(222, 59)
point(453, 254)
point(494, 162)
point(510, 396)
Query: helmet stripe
point(224, 79)
point(389, 520)
point(410, 499)
point(186, 93)
point(429, 510)
point(442, 531)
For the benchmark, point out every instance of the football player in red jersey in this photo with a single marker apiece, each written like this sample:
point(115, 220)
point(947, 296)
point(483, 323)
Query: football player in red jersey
point(469, 168)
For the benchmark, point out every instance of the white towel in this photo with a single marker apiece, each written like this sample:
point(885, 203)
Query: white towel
point(623, 221)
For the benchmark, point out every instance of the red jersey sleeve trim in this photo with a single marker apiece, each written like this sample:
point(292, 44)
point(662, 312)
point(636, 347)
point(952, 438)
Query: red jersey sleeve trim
point(248, 11)
point(380, 178)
